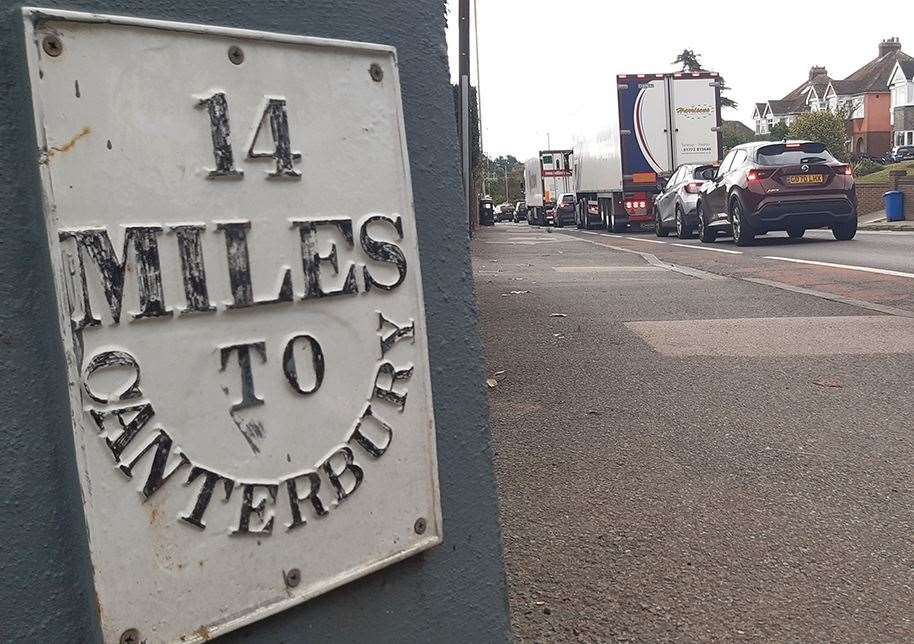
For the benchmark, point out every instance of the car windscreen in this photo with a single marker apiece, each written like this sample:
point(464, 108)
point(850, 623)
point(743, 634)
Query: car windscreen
point(567, 198)
point(793, 154)
point(704, 172)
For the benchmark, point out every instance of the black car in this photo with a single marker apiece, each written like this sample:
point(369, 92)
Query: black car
point(788, 185)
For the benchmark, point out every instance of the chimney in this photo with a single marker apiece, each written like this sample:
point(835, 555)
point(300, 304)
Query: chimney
point(815, 70)
point(889, 45)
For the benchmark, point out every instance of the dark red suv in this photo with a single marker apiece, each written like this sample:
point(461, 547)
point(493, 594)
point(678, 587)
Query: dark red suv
point(764, 186)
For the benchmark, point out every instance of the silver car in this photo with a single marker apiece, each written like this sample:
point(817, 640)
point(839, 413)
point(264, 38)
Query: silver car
point(674, 207)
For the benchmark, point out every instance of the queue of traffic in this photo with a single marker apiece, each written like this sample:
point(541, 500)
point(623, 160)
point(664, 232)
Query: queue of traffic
point(662, 168)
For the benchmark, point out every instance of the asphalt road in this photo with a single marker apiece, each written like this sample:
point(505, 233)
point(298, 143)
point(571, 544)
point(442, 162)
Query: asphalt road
point(686, 455)
point(876, 249)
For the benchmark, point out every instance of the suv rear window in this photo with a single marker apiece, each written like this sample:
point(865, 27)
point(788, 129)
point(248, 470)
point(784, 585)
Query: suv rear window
point(704, 172)
point(793, 154)
point(567, 198)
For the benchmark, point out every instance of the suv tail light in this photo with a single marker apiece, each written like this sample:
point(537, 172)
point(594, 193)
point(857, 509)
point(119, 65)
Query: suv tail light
point(692, 187)
point(846, 170)
point(755, 174)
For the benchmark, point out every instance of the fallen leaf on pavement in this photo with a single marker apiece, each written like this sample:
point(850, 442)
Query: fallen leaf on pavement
point(492, 383)
point(831, 384)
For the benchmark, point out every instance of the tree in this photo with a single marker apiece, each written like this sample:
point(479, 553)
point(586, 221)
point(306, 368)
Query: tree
point(495, 179)
point(690, 61)
point(726, 101)
point(822, 127)
point(780, 131)
point(733, 133)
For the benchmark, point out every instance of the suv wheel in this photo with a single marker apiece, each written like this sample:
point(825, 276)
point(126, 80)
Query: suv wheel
point(796, 232)
point(845, 231)
point(683, 230)
point(705, 234)
point(742, 232)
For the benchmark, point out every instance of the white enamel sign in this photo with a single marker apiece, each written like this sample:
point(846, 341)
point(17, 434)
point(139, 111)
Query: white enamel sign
point(232, 231)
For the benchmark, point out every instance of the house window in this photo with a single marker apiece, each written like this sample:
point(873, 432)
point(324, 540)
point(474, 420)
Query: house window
point(910, 138)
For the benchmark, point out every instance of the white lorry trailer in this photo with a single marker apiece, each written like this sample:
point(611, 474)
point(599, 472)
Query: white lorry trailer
point(665, 120)
point(546, 176)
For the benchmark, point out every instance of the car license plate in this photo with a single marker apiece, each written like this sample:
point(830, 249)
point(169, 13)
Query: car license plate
point(805, 179)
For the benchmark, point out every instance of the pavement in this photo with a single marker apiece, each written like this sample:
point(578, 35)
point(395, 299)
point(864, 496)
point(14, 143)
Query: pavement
point(878, 221)
point(694, 445)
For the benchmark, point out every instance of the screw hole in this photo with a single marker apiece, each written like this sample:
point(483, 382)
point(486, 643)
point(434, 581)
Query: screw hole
point(292, 577)
point(376, 73)
point(236, 55)
point(130, 636)
point(52, 45)
point(420, 526)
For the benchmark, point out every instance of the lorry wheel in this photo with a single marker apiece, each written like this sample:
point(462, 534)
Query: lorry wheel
point(615, 225)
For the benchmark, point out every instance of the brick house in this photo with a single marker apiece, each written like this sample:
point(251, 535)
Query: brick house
point(864, 95)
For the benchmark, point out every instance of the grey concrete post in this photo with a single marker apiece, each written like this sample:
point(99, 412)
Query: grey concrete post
point(455, 592)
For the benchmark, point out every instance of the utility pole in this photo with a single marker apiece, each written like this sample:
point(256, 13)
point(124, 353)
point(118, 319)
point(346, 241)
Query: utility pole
point(505, 168)
point(464, 73)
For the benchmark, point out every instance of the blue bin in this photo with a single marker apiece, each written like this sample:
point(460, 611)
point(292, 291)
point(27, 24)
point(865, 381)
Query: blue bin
point(894, 205)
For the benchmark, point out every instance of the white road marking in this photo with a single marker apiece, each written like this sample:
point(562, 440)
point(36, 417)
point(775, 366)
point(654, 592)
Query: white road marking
point(865, 269)
point(899, 233)
point(649, 241)
point(716, 250)
point(606, 269)
point(653, 260)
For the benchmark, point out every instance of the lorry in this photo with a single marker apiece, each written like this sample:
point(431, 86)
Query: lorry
point(664, 121)
point(546, 176)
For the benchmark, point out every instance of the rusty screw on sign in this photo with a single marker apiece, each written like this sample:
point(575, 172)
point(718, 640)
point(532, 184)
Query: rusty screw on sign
point(52, 45)
point(236, 55)
point(376, 72)
point(292, 577)
point(420, 525)
point(130, 636)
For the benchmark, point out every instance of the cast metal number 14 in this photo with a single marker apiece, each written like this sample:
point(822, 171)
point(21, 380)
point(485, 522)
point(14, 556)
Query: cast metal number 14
point(275, 112)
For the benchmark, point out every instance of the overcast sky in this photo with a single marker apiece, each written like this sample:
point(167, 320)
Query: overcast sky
point(549, 66)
